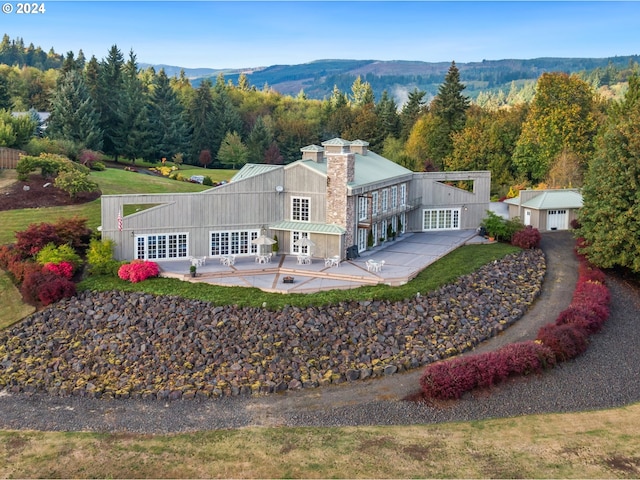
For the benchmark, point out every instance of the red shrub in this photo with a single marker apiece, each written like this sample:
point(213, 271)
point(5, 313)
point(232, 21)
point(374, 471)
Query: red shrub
point(587, 273)
point(8, 255)
point(74, 231)
point(62, 269)
point(528, 237)
point(565, 341)
point(21, 269)
point(524, 358)
point(591, 293)
point(583, 318)
point(30, 241)
point(138, 270)
point(33, 281)
point(55, 290)
point(448, 380)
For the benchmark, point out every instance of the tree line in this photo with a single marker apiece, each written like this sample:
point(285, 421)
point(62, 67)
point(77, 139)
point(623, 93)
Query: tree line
point(569, 134)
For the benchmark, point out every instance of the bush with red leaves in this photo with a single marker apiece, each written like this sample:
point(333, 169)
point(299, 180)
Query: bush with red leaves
point(450, 379)
point(72, 231)
point(588, 273)
point(565, 341)
point(62, 269)
point(528, 237)
point(138, 270)
point(55, 290)
point(583, 318)
point(591, 293)
point(20, 269)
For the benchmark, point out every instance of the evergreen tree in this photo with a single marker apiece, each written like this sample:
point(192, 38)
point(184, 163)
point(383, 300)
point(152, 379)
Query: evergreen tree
point(73, 114)
point(388, 118)
point(361, 93)
point(202, 118)
point(450, 107)
point(110, 102)
point(411, 111)
point(258, 141)
point(226, 116)
point(134, 114)
point(610, 217)
point(5, 97)
point(170, 131)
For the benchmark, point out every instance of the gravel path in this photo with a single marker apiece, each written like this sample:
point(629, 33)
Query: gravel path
point(605, 376)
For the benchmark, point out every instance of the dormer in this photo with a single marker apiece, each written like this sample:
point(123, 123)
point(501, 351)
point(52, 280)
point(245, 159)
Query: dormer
point(313, 152)
point(360, 147)
point(337, 146)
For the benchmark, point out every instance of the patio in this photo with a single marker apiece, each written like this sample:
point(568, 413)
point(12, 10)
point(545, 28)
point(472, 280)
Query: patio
point(396, 263)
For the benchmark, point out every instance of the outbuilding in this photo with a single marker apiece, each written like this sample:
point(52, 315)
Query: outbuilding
point(546, 209)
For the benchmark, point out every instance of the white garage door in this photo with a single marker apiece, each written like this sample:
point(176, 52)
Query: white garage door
point(557, 220)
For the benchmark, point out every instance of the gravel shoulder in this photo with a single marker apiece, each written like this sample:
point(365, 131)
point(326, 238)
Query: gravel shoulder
point(605, 376)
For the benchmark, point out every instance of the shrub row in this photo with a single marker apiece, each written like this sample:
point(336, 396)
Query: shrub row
point(560, 341)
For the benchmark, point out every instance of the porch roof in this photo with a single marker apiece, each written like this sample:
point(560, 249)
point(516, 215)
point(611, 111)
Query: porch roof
point(324, 228)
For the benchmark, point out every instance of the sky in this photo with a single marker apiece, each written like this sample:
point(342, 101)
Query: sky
point(244, 34)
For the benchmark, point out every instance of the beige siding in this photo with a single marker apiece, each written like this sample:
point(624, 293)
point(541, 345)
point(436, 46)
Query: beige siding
point(248, 204)
point(473, 205)
point(301, 181)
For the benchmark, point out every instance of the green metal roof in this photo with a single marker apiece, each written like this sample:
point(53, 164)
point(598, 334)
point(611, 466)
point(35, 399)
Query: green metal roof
point(325, 228)
point(369, 168)
point(253, 169)
point(551, 200)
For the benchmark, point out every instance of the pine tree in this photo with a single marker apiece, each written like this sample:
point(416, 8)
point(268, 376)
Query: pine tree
point(136, 134)
point(170, 131)
point(110, 102)
point(202, 119)
point(5, 97)
point(411, 111)
point(73, 114)
point(450, 107)
point(258, 142)
point(226, 116)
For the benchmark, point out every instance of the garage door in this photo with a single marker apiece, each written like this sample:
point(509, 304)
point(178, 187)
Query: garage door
point(557, 220)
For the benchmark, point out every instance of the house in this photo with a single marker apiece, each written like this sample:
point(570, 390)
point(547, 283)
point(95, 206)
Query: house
point(340, 195)
point(546, 209)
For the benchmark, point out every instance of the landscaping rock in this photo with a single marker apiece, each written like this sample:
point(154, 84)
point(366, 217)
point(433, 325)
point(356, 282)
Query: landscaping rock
point(121, 345)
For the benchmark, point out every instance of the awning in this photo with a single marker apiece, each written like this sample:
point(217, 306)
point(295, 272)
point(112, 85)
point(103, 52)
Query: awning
point(324, 228)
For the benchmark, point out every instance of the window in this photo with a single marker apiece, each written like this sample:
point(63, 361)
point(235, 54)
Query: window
point(394, 196)
point(362, 239)
point(385, 200)
point(363, 208)
point(236, 242)
point(300, 209)
point(374, 202)
point(296, 248)
point(403, 194)
point(163, 246)
point(441, 219)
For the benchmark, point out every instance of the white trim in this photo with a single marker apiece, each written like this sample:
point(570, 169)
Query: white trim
point(440, 219)
point(232, 242)
point(300, 211)
point(161, 246)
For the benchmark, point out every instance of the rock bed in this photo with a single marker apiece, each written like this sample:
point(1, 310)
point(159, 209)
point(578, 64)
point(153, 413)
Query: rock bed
point(134, 345)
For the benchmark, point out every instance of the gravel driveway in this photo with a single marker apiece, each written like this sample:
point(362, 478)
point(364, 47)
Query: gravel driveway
point(605, 376)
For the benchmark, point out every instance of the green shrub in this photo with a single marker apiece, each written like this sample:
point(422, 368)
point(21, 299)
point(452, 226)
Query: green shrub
point(98, 166)
point(74, 183)
point(499, 228)
point(207, 181)
point(56, 254)
point(100, 257)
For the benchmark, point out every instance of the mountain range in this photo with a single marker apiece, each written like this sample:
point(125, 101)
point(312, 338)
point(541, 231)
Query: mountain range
point(318, 78)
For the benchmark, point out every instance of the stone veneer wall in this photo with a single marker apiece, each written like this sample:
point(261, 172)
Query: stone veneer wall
point(340, 208)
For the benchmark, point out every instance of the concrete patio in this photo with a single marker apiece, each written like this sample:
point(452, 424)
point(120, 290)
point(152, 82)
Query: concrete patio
point(403, 259)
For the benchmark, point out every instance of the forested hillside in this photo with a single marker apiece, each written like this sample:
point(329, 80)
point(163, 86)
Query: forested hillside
point(549, 128)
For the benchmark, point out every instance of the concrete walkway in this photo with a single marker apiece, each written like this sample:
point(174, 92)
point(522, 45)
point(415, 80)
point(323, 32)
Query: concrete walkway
point(403, 259)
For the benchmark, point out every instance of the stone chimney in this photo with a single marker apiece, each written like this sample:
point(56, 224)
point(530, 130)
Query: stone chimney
point(313, 152)
point(340, 172)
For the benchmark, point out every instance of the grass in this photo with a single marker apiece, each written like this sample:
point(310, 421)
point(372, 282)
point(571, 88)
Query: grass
point(112, 181)
point(536, 446)
point(12, 309)
point(460, 262)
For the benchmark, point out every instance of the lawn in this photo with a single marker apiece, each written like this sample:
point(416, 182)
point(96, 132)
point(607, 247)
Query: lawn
point(600, 444)
point(111, 181)
point(12, 309)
